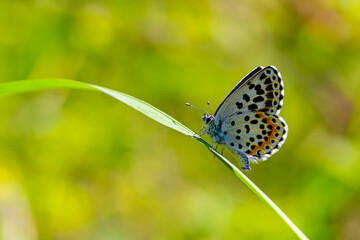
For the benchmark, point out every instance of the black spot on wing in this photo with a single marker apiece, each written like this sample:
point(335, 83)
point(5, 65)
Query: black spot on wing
point(269, 88)
point(260, 92)
point(239, 105)
point(252, 106)
point(268, 103)
point(258, 99)
point(267, 81)
point(263, 76)
point(270, 95)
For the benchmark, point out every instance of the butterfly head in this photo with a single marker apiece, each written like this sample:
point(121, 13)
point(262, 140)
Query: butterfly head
point(207, 119)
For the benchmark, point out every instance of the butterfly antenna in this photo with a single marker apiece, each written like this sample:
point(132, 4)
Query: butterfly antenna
point(210, 107)
point(188, 104)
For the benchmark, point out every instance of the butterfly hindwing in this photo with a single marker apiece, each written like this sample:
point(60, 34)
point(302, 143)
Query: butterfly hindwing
point(261, 90)
point(258, 134)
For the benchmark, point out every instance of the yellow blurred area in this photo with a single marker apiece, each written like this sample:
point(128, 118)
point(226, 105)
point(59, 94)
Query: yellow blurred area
point(17, 221)
point(81, 165)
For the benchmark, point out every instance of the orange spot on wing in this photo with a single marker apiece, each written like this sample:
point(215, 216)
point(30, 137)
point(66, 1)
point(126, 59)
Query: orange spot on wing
point(262, 147)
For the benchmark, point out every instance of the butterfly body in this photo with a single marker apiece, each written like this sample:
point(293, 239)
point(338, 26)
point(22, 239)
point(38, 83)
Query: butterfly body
point(213, 130)
point(248, 121)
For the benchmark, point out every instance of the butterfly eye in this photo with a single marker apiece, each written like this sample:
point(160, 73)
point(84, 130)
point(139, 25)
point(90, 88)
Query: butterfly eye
point(204, 119)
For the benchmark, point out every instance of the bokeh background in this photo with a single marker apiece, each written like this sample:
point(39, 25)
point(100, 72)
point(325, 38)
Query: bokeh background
point(81, 165)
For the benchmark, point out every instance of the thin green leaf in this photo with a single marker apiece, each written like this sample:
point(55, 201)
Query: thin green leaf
point(141, 106)
point(150, 111)
point(256, 190)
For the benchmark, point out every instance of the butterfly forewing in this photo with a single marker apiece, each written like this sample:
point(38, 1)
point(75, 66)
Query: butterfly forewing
point(258, 134)
point(262, 90)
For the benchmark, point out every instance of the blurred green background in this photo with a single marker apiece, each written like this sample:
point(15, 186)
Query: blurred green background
point(81, 165)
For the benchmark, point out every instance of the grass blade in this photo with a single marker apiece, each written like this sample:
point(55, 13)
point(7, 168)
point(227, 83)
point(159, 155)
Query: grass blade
point(141, 106)
point(256, 190)
point(150, 111)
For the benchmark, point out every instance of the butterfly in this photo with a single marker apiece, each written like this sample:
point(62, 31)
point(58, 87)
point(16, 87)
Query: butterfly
point(247, 120)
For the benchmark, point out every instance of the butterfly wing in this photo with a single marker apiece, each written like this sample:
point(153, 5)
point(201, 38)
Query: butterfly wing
point(258, 134)
point(261, 90)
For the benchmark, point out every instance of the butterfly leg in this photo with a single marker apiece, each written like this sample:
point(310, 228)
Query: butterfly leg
point(244, 160)
point(200, 131)
point(215, 147)
point(222, 151)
